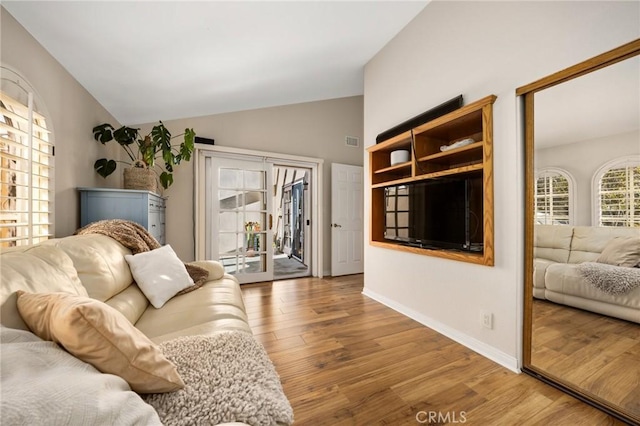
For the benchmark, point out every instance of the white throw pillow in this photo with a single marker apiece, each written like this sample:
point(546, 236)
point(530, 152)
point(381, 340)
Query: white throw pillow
point(159, 273)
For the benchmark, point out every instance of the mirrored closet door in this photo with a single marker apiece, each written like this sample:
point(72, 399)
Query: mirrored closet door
point(582, 154)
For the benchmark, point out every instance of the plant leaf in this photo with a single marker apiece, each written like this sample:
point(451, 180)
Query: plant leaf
point(104, 167)
point(166, 179)
point(187, 147)
point(161, 136)
point(148, 156)
point(125, 135)
point(102, 133)
point(168, 157)
point(162, 140)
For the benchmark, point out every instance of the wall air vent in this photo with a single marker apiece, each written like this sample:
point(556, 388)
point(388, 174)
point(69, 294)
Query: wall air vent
point(352, 141)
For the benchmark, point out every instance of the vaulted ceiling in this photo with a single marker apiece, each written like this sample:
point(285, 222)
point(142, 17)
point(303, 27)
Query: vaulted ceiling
point(145, 61)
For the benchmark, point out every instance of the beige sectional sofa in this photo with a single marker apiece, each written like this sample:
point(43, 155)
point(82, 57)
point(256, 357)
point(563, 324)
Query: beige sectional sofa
point(94, 265)
point(559, 249)
point(97, 268)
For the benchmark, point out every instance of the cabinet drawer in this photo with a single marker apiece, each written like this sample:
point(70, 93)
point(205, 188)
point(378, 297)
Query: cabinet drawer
point(156, 225)
point(156, 204)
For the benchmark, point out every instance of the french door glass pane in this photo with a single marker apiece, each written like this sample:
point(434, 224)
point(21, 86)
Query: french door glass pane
point(230, 264)
point(255, 200)
point(228, 221)
point(230, 178)
point(242, 220)
point(254, 179)
point(228, 199)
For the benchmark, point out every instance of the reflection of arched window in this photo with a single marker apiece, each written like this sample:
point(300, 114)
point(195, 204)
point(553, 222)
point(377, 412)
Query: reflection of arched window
point(26, 165)
point(554, 197)
point(616, 186)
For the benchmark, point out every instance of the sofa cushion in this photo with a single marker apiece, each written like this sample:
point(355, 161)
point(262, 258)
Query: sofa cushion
point(621, 251)
point(539, 270)
point(566, 279)
point(159, 274)
point(130, 302)
point(589, 241)
point(34, 269)
point(552, 242)
point(99, 261)
point(40, 384)
point(98, 334)
point(216, 306)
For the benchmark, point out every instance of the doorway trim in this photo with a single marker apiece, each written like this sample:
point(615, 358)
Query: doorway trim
point(316, 179)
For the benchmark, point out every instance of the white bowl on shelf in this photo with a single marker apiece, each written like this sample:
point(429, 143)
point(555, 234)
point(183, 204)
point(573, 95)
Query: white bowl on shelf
point(399, 156)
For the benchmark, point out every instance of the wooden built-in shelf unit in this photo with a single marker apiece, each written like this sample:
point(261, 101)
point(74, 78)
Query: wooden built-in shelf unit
point(427, 161)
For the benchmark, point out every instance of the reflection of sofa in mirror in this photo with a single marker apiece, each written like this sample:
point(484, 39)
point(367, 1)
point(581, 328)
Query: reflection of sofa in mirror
point(558, 250)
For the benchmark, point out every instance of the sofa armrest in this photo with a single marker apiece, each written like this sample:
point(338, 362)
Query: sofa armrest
point(215, 268)
point(231, 277)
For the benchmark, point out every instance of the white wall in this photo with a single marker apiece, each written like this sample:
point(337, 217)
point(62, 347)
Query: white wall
point(477, 49)
point(582, 160)
point(73, 113)
point(312, 129)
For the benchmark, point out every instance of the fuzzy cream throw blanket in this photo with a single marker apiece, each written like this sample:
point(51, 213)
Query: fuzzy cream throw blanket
point(610, 279)
point(228, 378)
point(137, 239)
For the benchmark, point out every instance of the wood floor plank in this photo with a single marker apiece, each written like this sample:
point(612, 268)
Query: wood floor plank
point(345, 359)
point(599, 354)
point(567, 411)
point(512, 406)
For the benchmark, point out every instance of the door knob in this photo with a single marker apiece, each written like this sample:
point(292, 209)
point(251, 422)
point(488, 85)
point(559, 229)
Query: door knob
point(335, 225)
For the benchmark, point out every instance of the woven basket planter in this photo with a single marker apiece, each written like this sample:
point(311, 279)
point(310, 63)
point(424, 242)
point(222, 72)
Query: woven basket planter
point(140, 178)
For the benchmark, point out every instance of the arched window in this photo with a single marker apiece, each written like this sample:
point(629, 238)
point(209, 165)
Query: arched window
point(616, 186)
point(555, 197)
point(26, 164)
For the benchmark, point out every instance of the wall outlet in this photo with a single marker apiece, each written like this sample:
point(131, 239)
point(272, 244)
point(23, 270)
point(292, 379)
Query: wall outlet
point(486, 318)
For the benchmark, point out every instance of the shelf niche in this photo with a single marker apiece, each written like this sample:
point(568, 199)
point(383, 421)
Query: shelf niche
point(428, 162)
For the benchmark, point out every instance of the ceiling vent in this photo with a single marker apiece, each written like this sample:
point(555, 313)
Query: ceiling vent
point(352, 141)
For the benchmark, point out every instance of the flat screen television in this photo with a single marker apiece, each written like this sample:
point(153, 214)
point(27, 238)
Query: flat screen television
point(443, 213)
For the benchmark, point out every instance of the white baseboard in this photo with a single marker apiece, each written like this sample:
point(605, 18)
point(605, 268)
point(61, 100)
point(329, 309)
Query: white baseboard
point(474, 344)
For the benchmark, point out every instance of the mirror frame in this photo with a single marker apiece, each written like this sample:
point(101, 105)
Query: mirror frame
point(528, 91)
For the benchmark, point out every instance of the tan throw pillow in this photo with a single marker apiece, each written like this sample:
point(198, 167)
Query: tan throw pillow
point(98, 334)
point(621, 251)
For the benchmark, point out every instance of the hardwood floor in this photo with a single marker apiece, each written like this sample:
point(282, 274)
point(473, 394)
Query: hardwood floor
point(597, 353)
point(345, 359)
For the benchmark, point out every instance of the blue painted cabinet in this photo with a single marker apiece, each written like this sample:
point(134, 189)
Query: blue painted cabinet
point(143, 207)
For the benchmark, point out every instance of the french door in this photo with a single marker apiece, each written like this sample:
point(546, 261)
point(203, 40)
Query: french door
point(239, 220)
point(238, 208)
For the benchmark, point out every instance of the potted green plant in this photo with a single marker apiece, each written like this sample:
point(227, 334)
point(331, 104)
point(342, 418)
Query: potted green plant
point(143, 150)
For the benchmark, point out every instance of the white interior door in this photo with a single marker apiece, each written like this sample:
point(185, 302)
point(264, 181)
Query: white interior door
point(347, 224)
point(240, 218)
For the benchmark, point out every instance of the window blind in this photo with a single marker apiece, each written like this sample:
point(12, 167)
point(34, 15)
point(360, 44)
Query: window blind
point(26, 166)
point(619, 197)
point(552, 198)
